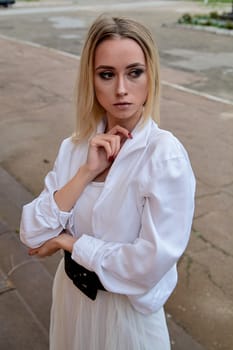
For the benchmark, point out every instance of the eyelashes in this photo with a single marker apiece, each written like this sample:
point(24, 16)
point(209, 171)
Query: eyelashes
point(136, 73)
point(132, 74)
point(106, 75)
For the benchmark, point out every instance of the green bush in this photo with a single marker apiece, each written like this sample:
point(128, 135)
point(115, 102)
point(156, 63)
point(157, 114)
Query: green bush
point(213, 19)
point(186, 18)
point(229, 25)
point(214, 15)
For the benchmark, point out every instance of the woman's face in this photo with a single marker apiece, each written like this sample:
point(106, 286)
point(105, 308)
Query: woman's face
point(121, 80)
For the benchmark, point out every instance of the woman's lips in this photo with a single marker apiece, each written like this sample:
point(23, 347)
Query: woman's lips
point(122, 105)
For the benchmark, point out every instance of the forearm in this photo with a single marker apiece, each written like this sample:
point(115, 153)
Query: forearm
point(68, 195)
point(64, 241)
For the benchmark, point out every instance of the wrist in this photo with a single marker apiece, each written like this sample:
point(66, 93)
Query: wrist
point(66, 241)
point(87, 173)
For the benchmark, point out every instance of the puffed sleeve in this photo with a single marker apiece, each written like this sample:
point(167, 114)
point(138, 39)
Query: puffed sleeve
point(134, 268)
point(41, 219)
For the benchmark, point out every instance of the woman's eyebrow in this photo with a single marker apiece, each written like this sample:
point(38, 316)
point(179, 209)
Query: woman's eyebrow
point(104, 67)
point(136, 64)
point(132, 65)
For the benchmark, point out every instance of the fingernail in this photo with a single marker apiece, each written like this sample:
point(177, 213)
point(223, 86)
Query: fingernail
point(130, 135)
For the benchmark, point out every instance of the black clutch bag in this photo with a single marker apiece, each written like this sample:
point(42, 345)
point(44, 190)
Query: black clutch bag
point(87, 281)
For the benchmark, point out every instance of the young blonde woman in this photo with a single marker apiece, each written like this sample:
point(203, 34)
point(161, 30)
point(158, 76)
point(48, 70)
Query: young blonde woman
point(119, 201)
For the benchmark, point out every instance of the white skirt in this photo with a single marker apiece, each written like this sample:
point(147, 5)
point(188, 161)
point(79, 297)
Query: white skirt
point(107, 323)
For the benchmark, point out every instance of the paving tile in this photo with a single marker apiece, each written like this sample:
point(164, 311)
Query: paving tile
point(28, 275)
point(20, 330)
point(12, 197)
point(202, 306)
point(179, 338)
point(217, 228)
point(5, 283)
point(3, 227)
point(213, 202)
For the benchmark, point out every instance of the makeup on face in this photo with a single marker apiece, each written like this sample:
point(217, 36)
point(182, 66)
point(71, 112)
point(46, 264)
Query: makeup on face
point(121, 80)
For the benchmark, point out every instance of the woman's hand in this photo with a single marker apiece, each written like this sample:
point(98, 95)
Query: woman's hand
point(63, 241)
point(103, 149)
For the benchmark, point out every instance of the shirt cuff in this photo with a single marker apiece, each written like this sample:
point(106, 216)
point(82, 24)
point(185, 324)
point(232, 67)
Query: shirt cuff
point(63, 216)
point(85, 251)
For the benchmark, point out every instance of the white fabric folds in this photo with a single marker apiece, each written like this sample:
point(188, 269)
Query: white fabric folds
point(108, 323)
point(139, 225)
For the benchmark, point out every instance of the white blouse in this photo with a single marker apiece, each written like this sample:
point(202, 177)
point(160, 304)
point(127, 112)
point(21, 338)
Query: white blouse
point(140, 223)
point(84, 208)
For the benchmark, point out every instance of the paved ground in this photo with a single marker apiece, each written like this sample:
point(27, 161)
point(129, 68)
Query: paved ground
point(207, 55)
point(36, 90)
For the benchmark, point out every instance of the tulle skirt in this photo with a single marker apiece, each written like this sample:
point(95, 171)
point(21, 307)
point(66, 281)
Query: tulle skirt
point(107, 323)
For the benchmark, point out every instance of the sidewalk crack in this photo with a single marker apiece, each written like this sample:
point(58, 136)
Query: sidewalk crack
point(214, 246)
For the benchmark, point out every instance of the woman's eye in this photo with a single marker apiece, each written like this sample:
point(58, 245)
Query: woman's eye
point(135, 73)
point(106, 75)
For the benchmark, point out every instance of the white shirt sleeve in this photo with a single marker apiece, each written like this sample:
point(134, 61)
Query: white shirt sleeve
point(41, 219)
point(134, 268)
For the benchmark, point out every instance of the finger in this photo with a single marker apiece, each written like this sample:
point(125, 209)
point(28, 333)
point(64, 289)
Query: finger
point(115, 141)
point(44, 251)
point(117, 129)
point(116, 145)
point(106, 144)
point(32, 251)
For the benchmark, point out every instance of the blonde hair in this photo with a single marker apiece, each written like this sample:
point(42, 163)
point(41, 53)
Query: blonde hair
point(88, 110)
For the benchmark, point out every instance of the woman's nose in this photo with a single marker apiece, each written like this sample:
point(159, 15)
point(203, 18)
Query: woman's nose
point(121, 88)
